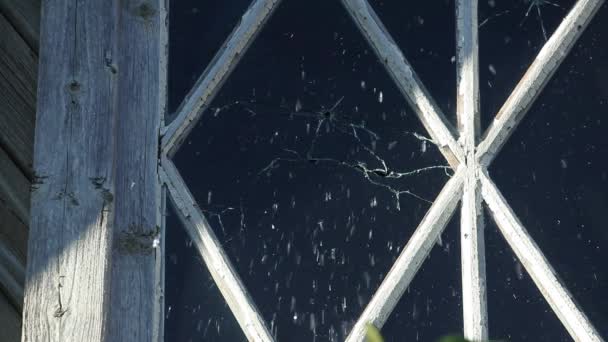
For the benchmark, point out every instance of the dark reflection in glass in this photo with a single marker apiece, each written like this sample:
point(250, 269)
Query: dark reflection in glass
point(554, 171)
point(511, 33)
point(300, 165)
point(196, 32)
point(194, 307)
point(425, 32)
point(517, 310)
point(432, 305)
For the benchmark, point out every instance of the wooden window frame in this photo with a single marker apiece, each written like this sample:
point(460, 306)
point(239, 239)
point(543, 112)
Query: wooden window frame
point(467, 151)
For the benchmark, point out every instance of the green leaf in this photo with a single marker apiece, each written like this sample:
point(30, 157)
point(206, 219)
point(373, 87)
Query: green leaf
point(372, 334)
point(453, 338)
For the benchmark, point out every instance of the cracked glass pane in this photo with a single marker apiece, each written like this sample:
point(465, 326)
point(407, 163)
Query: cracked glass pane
point(194, 307)
point(517, 309)
point(511, 33)
point(195, 35)
point(425, 31)
point(554, 173)
point(432, 305)
point(312, 171)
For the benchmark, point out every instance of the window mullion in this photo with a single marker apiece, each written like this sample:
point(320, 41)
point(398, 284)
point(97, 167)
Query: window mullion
point(475, 315)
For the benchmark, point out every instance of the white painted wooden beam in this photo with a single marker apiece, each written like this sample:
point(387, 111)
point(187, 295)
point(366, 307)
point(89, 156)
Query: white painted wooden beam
point(218, 263)
point(474, 303)
point(533, 260)
point(216, 73)
point(538, 74)
point(411, 258)
point(406, 79)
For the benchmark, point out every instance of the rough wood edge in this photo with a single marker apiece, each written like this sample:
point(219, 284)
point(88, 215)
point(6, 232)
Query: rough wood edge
point(225, 276)
point(411, 258)
point(159, 326)
point(537, 266)
point(406, 79)
point(216, 73)
point(474, 302)
point(536, 77)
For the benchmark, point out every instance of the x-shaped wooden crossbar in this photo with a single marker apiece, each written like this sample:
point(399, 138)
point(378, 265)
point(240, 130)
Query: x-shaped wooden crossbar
point(469, 156)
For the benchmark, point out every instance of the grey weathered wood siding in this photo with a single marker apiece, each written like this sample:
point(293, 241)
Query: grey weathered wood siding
point(17, 95)
point(92, 253)
point(18, 74)
point(25, 17)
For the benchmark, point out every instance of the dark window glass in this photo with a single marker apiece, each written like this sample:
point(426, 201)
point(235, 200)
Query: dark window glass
point(432, 305)
point(194, 307)
point(292, 166)
point(278, 165)
point(511, 33)
point(554, 172)
point(517, 310)
point(425, 31)
point(197, 30)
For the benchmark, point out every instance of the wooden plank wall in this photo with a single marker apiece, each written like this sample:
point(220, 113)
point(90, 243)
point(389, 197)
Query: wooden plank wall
point(19, 35)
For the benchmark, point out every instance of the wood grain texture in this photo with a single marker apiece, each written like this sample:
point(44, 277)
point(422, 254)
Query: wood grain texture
point(25, 17)
point(10, 319)
point(139, 55)
point(473, 261)
point(92, 256)
point(18, 72)
point(411, 258)
point(66, 280)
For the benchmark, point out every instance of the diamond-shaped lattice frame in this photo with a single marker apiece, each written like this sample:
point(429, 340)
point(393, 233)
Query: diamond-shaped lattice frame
point(466, 156)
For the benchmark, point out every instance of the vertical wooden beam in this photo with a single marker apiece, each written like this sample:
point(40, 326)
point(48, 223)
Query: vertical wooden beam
point(533, 260)
point(140, 58)
point(91, 273)
point(69, 241)
point(475, 316)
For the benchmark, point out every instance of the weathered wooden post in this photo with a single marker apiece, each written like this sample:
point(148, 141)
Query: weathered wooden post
point(92, 271)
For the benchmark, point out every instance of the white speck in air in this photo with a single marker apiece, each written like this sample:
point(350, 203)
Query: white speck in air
point(492, 69)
